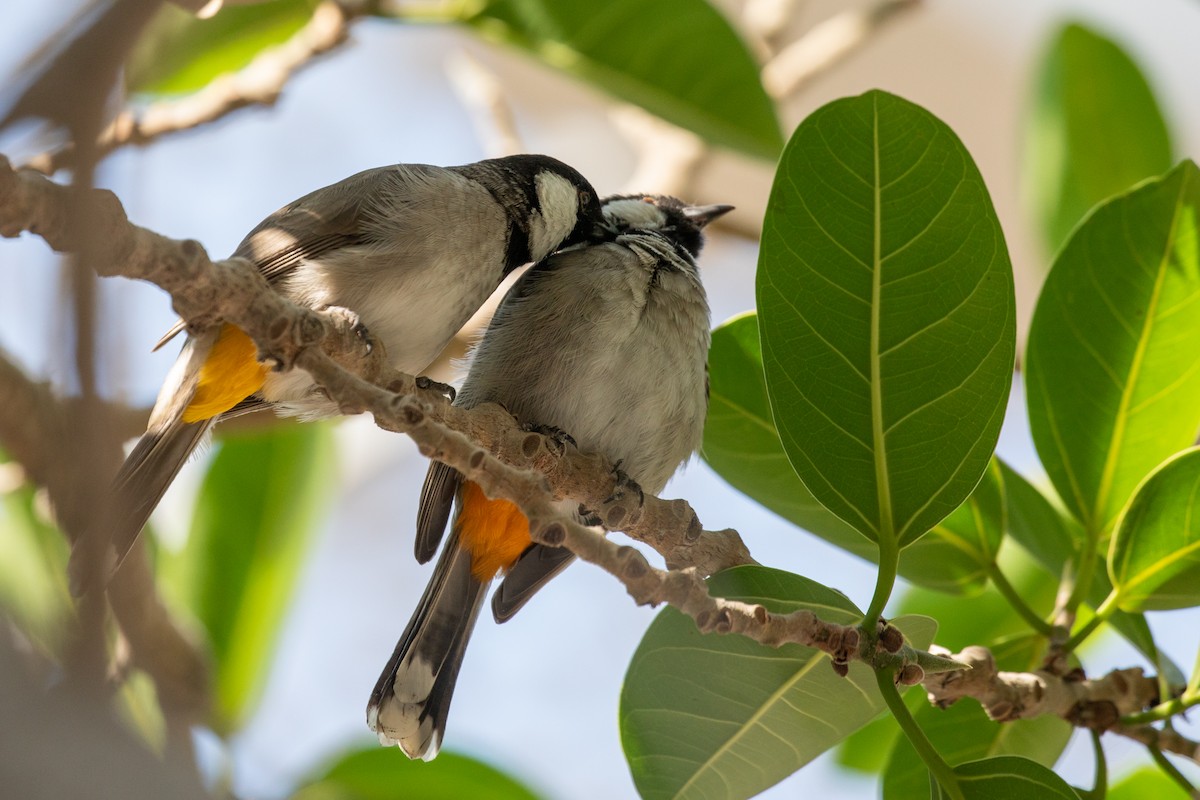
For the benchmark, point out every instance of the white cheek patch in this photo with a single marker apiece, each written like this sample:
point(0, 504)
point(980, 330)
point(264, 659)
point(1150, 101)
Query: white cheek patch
point(634, 214)
point(559, 201)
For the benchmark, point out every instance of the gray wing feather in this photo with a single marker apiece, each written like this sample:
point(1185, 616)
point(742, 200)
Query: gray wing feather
point(321, 221)
point(536, 566)
point(437, 497)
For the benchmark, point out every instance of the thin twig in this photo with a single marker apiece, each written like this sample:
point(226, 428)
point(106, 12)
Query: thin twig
point(826, 45)
point(260, 83)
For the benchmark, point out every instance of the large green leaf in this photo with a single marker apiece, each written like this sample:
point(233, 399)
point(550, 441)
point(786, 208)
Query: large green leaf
point(1154, 561)
point(723, 716)
point(885, 299)
point(683, 62)
point(1009, 778)
point(255, 515)
point(179, 53)
point(1095, 130)
point(742, 445)
point(964, 733)
point(385, 774)
point(1113, 382)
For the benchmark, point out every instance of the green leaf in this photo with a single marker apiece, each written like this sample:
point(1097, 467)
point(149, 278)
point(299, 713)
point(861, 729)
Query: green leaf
point(867, 749)
point(1053, 539)
point(1154, 561)
point(255, 515)
point(1144, 784)
point(385, 774)
point(957, 555)
point(695, 72)
point(985, 618)
point(1112, 380)
point(705, 716)
point(963, 733)
point(1035, 523)
point(179, 53)
point(885, 298)
point(33, 568)
point(1095, 130)
point(742, 445)
point(1010, 778)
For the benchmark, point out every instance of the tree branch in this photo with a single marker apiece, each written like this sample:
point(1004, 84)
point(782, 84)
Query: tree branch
point(260, 83)
point(1095, 704)
point(533, 470)
point(826, 45)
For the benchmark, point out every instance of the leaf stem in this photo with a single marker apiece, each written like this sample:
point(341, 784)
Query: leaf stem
point(942, 772)
point(1084, 570)
point(1163, 710)
point(885, 580)
point(1100, 779)
point(1017, 602)
point(1105, 611)
point(1172, 771)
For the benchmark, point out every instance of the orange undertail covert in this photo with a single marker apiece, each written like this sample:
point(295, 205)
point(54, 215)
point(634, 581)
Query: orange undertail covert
point(494, 532)
point(230, 374)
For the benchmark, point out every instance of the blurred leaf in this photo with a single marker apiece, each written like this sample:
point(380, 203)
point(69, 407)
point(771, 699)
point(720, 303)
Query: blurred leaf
point(385, 774)
point(139, 709)
point(1113, 382)
point(255, 515)
point(695, 71)
point(867, 749)
point(742, 445)
point(1095, 130)
point(1050, 536)
point(33, 565)
point(985, 618)
point(1154, 562)
point(964, 733)
point(956, 556)
point(1144, 784)
point(1009, 778)
point(179, 53)
point(888, 381)
point(749, 715)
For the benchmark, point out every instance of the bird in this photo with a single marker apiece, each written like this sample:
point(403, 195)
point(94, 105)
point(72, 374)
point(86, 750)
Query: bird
point(410, 251)
point(604, 345)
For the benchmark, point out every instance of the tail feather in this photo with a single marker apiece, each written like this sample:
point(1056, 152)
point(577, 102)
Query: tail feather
point(411, 700)
point(155, 460)
point(145, 476)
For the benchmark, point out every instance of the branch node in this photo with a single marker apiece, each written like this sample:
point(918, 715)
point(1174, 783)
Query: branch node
point(910, 675)
point(553, 534)
point(891, 639)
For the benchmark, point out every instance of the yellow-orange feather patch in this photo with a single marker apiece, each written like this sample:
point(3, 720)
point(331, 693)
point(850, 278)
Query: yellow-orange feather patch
point(494, 532)
point(230, 374)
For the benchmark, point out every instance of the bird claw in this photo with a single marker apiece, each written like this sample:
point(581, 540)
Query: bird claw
point(557, 435)
point(446, 389)
point(625, 486)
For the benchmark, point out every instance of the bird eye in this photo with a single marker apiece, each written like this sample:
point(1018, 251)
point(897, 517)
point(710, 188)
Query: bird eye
point(585, 197)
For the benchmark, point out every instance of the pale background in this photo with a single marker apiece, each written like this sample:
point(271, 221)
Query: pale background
point(537, 696)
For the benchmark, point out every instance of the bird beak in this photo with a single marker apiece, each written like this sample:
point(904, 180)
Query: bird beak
point(702, 215)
